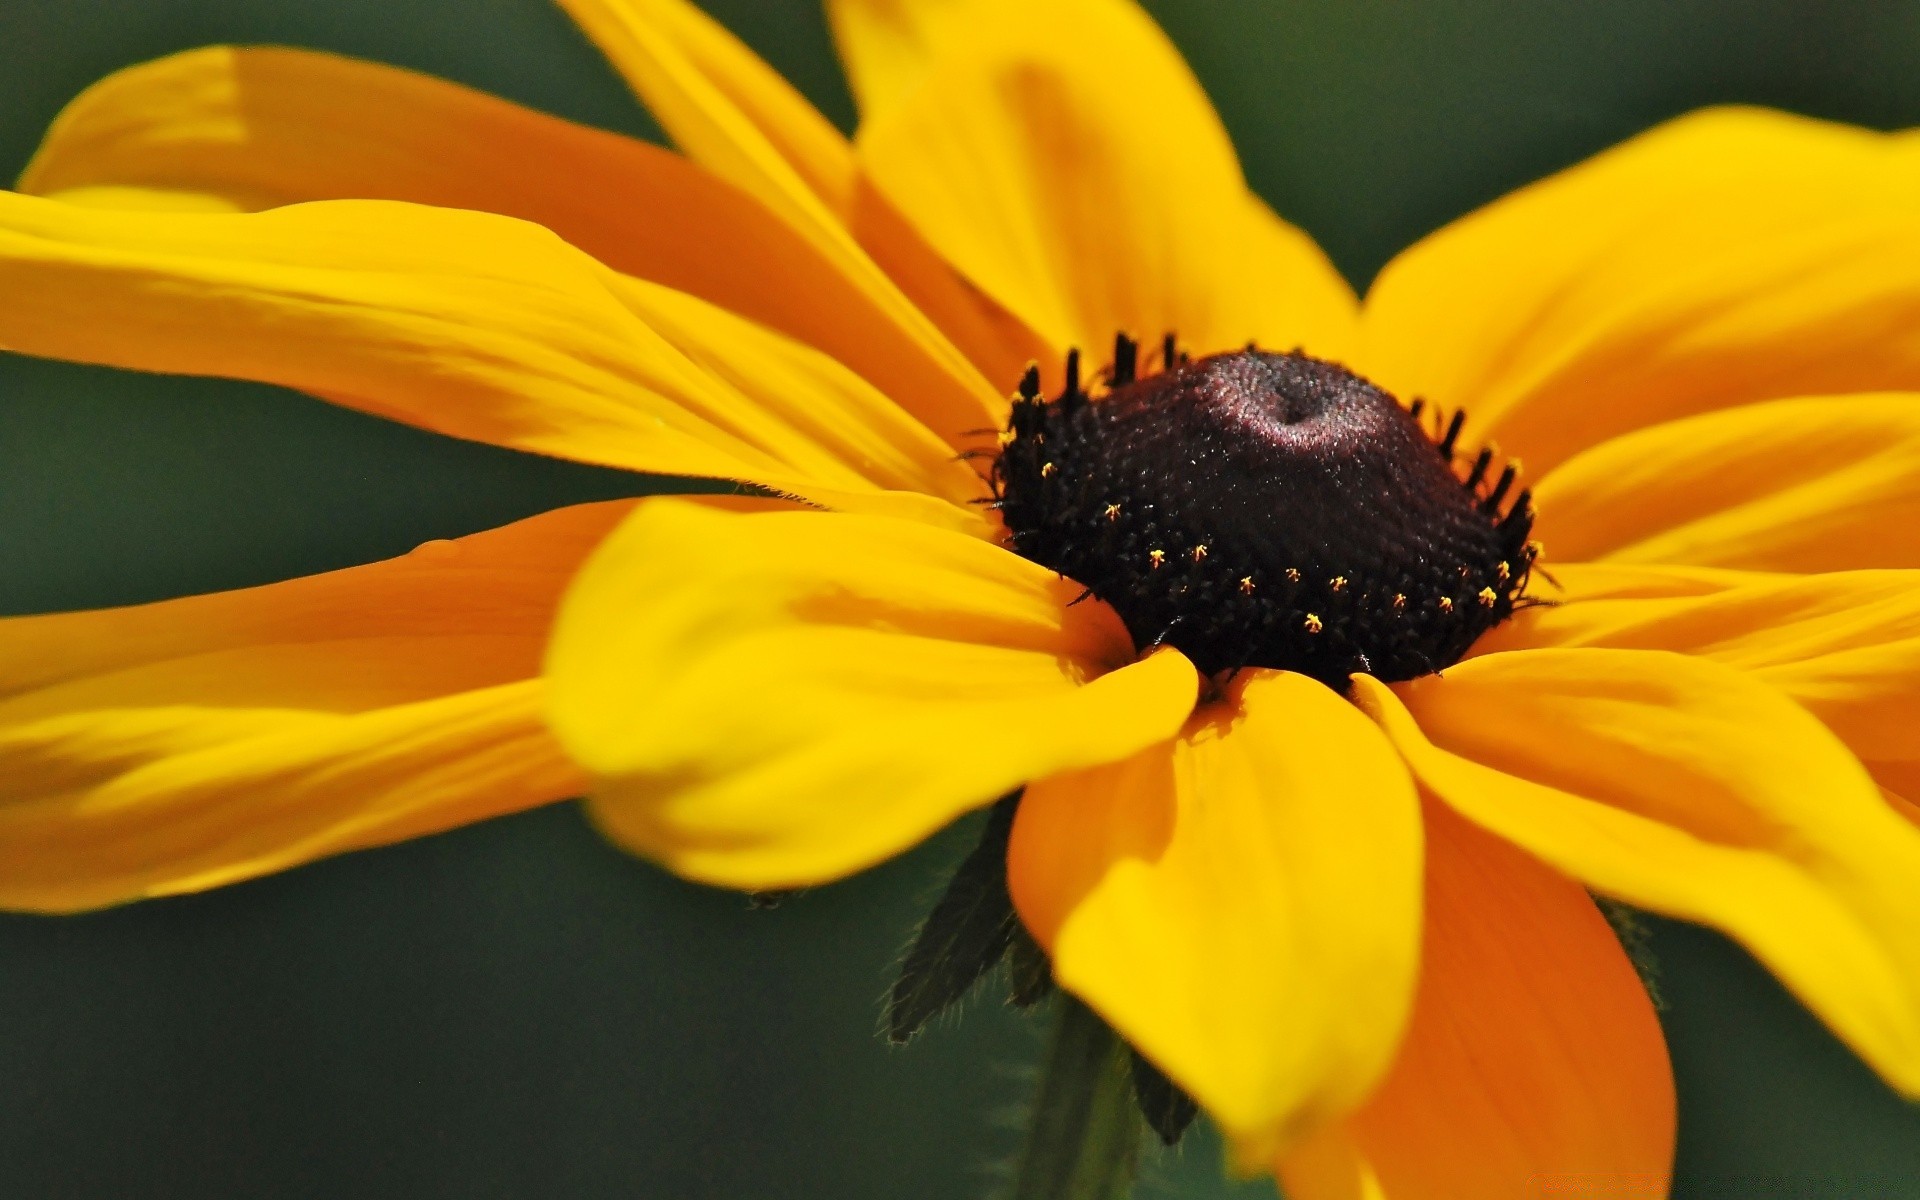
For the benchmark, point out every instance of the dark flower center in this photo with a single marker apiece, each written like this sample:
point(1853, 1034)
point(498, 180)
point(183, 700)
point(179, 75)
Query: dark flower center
point(1266, 510)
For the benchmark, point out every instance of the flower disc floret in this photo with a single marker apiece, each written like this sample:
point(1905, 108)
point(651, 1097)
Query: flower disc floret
point(1256, 509)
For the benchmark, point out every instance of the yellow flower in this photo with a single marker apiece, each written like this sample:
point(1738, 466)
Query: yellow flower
point(1354, 926)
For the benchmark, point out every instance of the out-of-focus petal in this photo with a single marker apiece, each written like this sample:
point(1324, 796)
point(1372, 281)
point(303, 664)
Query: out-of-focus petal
point(1729, 256)
point(733, 114)
point(889, 46)
point(243, 129)
point(1065, 159)
point(176, 746)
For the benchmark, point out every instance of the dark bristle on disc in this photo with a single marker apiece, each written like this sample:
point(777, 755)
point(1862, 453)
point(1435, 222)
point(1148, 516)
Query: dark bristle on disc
point(1248, 509)
point(1255, 509)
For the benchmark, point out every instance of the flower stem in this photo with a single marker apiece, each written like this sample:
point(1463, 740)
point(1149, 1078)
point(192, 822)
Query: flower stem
point(1084, 1140)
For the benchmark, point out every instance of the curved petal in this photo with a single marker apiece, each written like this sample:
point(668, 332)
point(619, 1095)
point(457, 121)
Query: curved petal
point(778, 699)
point(1688, 788)
point(1063, 157)
point(1899, 780)
point(722, 105)
point(1241, 903)
point(1534, 1064)
point(466, 323)
point(1813, 484)
point(1845, 646)
point(889, 46)
point(733, 114)
point(243, 129)
point(1580, 582)
point(176, 746)
point(1729, 256)
point(841, 417)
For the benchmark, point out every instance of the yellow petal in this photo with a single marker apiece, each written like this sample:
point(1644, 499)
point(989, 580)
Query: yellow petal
point(778, 699)
point(466, 323)
point(1814, 484)
point(1584, 581)
point(1729, 256)
point(1533, 1066)
point(721, 104)
point(1065, 159)
point(1845, 645)
point(998, 344)
point(889, 46)
point(176, 746)
point(241, 129)
point(733, 114)
point(1688, 788)
point(1242, 903)
point(842, 420)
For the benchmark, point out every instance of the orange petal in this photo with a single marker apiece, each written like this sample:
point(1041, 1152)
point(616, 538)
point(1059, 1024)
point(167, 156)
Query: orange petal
point(1817, 484)
point(176, 746)
point(1533, 1066)
point(1729, 256)
point(1898, 781)
point(243, 129)
point(466, 323)
point(1241, 903)
point(1688, 788)
point(1063, 157)
point(778, 699)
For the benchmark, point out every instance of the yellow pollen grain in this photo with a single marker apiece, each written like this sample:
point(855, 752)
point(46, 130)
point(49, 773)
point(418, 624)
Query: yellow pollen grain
point(1113, 512)
point(1487, 597)
point(1399, 601)
point(1312, 623)
point(1293, 576)
point(1199, 553)
point(1006, 437)
point(1446, 604)
point(1158, 557)
point(1047, 470)
point(1502, 573)
point(1246, 585)
point(1338, 583)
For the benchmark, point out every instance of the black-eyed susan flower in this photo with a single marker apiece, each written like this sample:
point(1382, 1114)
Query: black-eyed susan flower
point(1317, 757)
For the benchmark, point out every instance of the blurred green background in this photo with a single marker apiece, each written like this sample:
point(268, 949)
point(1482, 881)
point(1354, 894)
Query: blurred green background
point(516, 1010)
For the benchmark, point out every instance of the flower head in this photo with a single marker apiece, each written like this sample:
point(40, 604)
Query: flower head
point(1317, 763)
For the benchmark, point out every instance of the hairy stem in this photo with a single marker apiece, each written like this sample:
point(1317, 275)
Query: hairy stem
point(1084, 1140)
